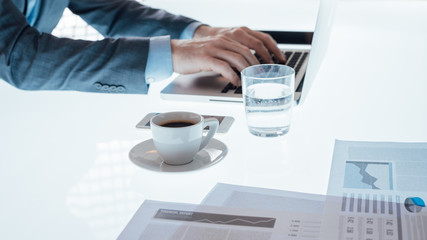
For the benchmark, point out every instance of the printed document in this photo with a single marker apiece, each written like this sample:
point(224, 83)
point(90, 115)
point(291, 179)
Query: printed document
point(163, 220)
point(377, 190)
point(243, 197)
point(236, 196)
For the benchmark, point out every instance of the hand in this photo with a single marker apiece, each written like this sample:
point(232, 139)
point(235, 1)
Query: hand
point(263, 44)
point(211, 53)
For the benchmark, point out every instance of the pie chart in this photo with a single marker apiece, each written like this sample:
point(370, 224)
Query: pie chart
point(414, 204)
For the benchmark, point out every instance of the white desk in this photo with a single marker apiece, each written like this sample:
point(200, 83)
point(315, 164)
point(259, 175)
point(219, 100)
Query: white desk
point(64, 167)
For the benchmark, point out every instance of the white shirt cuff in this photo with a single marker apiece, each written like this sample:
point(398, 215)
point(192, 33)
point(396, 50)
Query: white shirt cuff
point(188, 31)
point(159, 61)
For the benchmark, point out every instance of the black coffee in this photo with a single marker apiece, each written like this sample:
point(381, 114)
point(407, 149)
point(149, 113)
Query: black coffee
point(177, 124)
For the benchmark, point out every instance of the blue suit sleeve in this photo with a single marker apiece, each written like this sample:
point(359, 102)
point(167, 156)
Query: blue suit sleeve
point(119, 18)
point(125, 18)
point(32, 60)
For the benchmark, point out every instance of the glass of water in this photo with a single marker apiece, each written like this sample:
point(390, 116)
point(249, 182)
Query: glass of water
point(268, 92)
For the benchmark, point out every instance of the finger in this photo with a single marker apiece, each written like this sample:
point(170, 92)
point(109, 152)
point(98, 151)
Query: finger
point(271, 45)
point(223, 68)
point(256, 44)
point(241, 50)
point(233, 59)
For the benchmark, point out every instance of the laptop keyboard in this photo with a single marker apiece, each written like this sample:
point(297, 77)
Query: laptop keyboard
point(230, 87)
point(294, 59)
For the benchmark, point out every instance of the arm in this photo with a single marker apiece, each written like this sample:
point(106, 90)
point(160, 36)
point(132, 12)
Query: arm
point(120, 18)
point(37, 61)
point(212, 49)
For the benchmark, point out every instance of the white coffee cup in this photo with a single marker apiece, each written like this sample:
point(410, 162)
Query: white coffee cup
point(178, 136)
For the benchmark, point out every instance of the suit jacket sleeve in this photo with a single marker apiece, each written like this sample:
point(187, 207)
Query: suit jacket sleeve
point(118, 18)
point(32, 60)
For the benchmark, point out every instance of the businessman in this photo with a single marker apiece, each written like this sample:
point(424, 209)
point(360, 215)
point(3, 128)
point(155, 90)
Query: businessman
point(142, 45)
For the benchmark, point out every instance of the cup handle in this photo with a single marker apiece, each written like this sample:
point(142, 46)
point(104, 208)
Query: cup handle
point(213, 127)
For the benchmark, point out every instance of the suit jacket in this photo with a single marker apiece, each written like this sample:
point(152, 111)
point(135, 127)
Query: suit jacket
point(33, 59)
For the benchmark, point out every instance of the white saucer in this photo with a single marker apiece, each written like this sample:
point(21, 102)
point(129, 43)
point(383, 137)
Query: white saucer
point(145, 155)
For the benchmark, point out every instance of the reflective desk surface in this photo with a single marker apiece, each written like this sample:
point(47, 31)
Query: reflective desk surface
point(64, 166)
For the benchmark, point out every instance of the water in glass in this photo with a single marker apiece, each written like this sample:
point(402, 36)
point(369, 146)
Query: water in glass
point(268, 109)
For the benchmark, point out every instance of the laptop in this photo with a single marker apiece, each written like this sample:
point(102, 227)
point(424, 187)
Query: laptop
point(304, 52)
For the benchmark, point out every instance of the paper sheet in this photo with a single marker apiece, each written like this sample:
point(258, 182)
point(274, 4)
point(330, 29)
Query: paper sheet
point(163, 220)
point(243, 197)
point(235, 196)
point(377, 191)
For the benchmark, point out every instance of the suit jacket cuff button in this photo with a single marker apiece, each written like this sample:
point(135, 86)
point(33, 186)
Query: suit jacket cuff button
point(97, 85)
